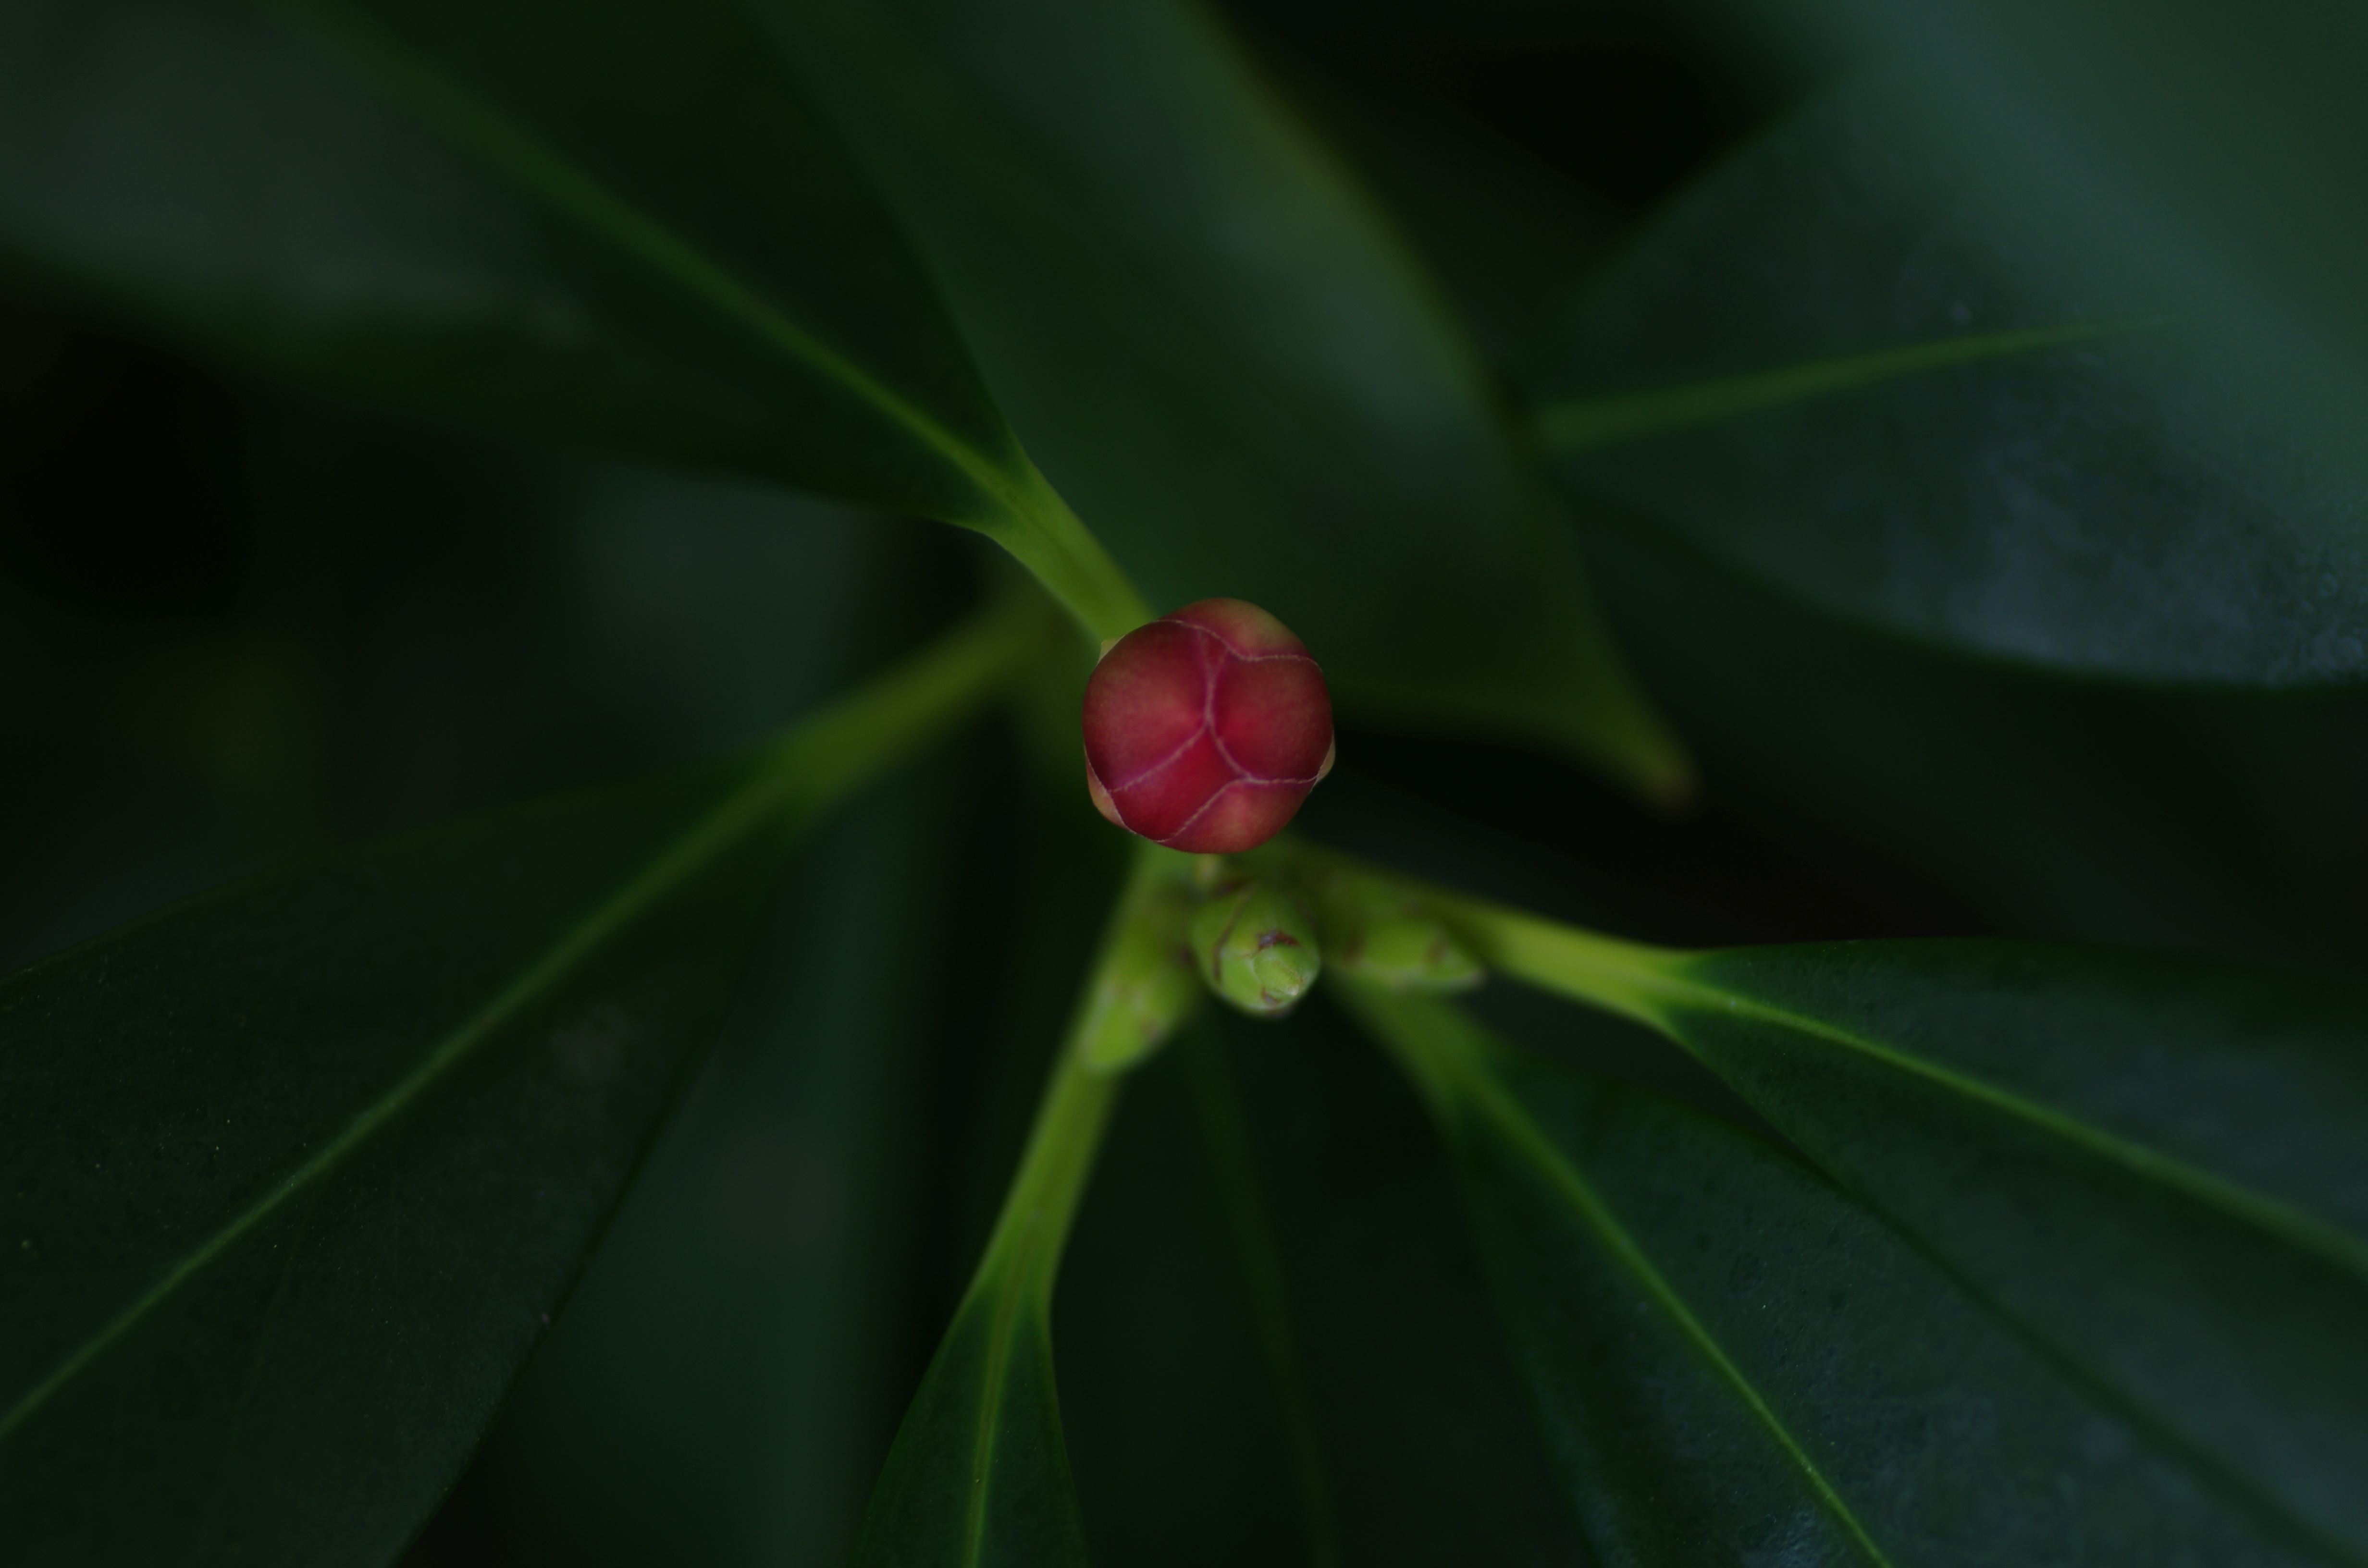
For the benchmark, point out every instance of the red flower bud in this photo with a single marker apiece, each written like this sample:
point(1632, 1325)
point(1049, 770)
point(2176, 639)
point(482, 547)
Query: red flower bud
point(1205, 729)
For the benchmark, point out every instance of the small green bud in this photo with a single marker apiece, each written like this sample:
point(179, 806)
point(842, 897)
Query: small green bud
point(1256, 950)
point(1146, 987)
point(1376, 930)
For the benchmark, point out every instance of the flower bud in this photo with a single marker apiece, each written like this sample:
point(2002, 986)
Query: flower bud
point(1146, 987)
point(1256, 950)
point(1205, 729)
point(1374, 929)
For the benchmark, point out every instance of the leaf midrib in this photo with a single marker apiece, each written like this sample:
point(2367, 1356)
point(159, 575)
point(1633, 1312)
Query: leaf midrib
point(1003, 1321)
point(1582, 425)
point(1479, 1087)
point(2329, 1242)
point(772, 792)
point(446, 105)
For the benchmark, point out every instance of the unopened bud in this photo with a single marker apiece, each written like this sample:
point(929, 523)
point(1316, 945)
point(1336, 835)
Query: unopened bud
point(1374, 928)
point(1146, 988)
point(1206, 729)
point(1256, 950)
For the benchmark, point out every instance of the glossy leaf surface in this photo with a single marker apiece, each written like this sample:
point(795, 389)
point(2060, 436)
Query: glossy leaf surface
point(2153, 1166)
point(1737, 1362)
point(299, 1171)
point(1215, 346)
point(616, 224)
point(2213, 153)
point(1832, 366)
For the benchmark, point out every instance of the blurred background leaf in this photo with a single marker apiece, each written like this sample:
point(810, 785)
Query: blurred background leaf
point(1831, 365)
point(725, 1382)
point(2211, 156)
point(273, 1149)
point(614, 224)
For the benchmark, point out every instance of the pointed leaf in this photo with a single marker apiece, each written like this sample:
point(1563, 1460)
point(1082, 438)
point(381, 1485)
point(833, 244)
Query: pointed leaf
point(979, 1475)
point(730, 1370)
point(1424, 1437)
point(616, 224)
point(1831, 366)
point(1216, 346)
point(295, 1174)
point(1736, 1361)
point(2153, 1167)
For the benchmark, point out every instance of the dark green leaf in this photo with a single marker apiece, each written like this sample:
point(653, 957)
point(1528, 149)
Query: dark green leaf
point(1735, 1362)
point(1215, 346)
point(1506, 237)
point(979, 1475)
point(1274, 1343)
point(1180, 1434)
point(618, 223)
point(2213, 153)
point(730, 1370)
point(2153, 1167)
point(295, 1174)
point(274, 1155)
point(1422, 1436)
point(1829, 365)
point(2210, 820)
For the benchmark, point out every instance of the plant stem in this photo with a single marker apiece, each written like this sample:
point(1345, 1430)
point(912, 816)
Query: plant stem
point(1042, 1201)
point(1044, 535)
point(829, 755)
point(1025, 1250)
point(1629, 978)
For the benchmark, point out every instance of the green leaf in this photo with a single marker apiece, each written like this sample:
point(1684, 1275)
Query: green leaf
point(1185, 1446)
point(1505, 235)
point(2152, 1166)
point(1422, 1434)
point(2196, 821)
point(1831, 366)
point(1213, 342)
point(618, 223)
point(2210, 153)
point(979, 1473)
point(294, 1173)
point(1735, 1361)
point(730, 1370)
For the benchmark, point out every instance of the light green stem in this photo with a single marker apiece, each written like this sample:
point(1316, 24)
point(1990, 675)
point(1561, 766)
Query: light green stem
point(1629, 978)
point(1044, 535)
point(1025, 1250)
point(811, 768)
point(1024, 1254)
point(833, 752)
point(1029, 518)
